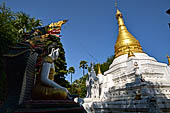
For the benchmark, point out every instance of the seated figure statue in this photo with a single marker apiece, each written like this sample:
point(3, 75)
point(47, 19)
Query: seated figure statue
point(45, 87)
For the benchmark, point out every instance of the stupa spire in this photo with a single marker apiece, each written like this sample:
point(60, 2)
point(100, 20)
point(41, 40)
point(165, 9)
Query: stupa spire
point(125, 38)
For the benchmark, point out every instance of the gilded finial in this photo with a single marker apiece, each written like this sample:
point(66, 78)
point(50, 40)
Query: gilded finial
point(125, 38)
point(99, 70)
point(168, 60)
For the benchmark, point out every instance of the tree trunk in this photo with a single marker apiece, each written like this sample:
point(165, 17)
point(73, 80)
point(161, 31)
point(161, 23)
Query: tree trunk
point(71, 78)
point(83, 71)
point(71, 84)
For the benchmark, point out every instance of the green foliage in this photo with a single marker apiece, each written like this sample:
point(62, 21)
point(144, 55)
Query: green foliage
point(80, 84)
point(8, 33)
point(83, 65)
point(60, 65)
point(105, 65)
point(64, 83)
point(23, 23)
point(11, 25)
point(71, 70)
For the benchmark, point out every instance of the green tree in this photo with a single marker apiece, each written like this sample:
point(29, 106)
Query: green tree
point(60, 64)
point(105, 65)
point(83, 65)
point(13, 27)
point(80, 84)
point(71, 71)
point(24, 23)
point(9, 35)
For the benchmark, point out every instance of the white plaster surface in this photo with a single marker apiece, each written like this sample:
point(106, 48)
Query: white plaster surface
point(126, 80)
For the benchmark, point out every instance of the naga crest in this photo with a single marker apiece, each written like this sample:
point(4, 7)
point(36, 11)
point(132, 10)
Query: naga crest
point(44, 36)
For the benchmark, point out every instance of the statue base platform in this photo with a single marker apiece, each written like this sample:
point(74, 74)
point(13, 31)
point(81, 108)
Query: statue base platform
point(49, 106)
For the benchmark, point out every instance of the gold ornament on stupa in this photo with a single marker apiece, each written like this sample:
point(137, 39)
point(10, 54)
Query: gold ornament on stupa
point(99, 70)
point(168, 60)
point(125, 38)
point(130, 53)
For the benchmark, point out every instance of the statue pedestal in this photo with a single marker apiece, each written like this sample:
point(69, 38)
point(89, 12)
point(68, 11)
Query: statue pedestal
point(49, 106)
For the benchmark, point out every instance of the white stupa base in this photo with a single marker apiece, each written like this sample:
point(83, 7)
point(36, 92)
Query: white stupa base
point(130, 88)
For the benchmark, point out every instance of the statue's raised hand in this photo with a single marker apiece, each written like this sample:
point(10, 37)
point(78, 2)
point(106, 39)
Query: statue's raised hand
point(54, 53)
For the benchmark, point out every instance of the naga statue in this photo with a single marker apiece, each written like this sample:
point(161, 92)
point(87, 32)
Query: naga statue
point(30, 69)
point(45, 88)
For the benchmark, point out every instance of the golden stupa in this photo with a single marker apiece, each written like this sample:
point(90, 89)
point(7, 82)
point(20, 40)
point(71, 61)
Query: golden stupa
point(125, 40)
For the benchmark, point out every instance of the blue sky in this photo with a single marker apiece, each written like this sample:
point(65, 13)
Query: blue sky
point(92, 28)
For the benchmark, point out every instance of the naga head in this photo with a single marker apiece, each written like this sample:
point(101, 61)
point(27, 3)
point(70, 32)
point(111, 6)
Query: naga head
point(44, 34)
point(44, 38)
point(55, 28)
